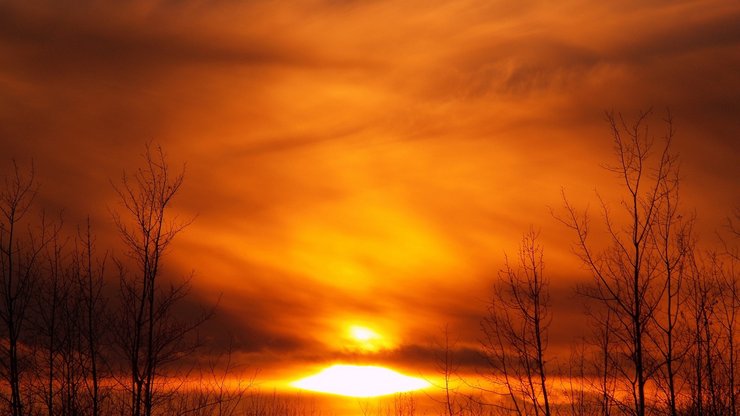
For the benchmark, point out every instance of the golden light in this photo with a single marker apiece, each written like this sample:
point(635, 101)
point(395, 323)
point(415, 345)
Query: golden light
point(360, 338)
point(360, 381)
point(362, 334)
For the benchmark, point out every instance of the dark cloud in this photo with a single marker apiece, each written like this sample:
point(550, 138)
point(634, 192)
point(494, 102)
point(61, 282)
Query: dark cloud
point(76, 40)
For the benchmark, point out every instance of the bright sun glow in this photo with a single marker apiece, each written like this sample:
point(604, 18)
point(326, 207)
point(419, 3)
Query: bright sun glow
point(362, 334)
point(360, 381)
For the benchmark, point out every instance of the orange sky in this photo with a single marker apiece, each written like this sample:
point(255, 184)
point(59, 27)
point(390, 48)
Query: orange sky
point(363, 162)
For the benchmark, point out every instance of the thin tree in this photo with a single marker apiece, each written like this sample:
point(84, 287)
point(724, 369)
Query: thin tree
point(672, 234)
point(712, 308)
point(20, 254)
point(447, 367)
point(516, 327)
point(603, 364)
point(90, 284)
point(71, 349)
point(727, 313)
point(730, 308)
point(710, 337)
point(50, 325)
point(221, 389)
point(626, 276)
point(699, 305)
point(149, 336)
point(68, 321)
point(574, 385)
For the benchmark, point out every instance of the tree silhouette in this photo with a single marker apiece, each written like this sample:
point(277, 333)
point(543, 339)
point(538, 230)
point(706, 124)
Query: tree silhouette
point(628, 279)
point(515, 330)
point(20, 254)
point(673, 238)
point(148, 332)
point(89, 282)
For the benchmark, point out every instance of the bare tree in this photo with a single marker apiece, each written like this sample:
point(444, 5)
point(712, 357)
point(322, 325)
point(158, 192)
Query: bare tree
point(626, 273)
point(601, 341)
point(515, 330)
point(50, 325)
point(574, 385)
point(148, 334)
point(699, 304)
point(221, 389)
point(67, 321)
point(20, 252)
point(89, 283)
point(728, 312)
point(729, 307)
point(672, 235)
point(447, 367)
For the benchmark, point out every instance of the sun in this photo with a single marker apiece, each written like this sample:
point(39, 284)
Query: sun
point(364, 339)
point(362, 334)
point(360, 381)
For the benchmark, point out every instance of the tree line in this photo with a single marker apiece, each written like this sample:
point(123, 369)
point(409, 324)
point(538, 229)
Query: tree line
point(76, 341)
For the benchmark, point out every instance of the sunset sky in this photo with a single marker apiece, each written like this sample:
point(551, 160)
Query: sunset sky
point(364, 163)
